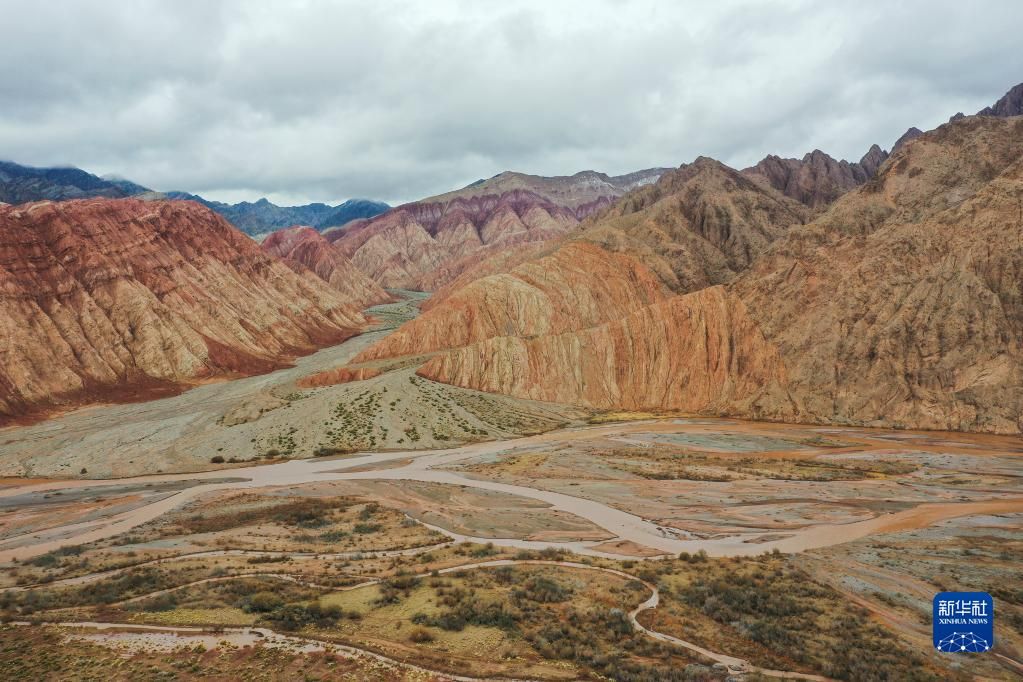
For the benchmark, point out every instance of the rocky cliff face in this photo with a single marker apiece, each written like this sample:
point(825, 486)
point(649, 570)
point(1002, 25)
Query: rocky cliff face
point(899, 306)
point(105, 299)
point(1010, 104)
point(697, 352)
point(577, 286)
point(816, 180)
point(304, 247)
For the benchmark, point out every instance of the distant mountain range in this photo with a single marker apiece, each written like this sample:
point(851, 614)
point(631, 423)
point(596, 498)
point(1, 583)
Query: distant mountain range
point(262, 217)
point(429, 243)
point(21, 184)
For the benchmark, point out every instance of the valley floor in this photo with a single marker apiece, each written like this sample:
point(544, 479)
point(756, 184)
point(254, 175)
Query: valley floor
point(271, 416)
point(507, 539)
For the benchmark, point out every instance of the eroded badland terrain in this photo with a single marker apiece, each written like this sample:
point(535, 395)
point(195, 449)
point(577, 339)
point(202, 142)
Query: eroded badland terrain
point(688, 424)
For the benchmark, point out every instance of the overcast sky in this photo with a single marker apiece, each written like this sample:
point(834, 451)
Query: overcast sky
point(321, 101)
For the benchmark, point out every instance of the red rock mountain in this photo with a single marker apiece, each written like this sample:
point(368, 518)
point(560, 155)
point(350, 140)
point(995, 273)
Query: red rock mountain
point(696, 352)
point(899, 306)
point(426, 244)
point(109, 299)
point(304, 247)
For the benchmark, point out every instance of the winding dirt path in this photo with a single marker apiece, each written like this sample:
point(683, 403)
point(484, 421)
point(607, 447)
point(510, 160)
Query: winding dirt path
point(735, 665)
point(253, 637)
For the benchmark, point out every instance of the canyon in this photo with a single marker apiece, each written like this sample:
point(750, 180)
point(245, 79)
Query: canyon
point(303, 247)
point(752, 412)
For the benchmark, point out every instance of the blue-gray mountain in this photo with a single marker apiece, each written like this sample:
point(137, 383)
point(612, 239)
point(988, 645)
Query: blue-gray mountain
point(262, 217)
point(21, 184)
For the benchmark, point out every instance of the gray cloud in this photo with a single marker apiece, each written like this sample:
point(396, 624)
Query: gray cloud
point(397, 100)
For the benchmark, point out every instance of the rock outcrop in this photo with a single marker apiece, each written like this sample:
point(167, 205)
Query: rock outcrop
point(304, 247)
point(817, 179)
point(109, 299)
point(907, 136)
point(1010, 104)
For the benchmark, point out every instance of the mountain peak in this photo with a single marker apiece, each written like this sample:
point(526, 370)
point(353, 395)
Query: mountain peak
point(1010, 104)
point(910, 134)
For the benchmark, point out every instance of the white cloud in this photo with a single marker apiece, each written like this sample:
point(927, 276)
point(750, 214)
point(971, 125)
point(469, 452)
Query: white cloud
point(397, 100)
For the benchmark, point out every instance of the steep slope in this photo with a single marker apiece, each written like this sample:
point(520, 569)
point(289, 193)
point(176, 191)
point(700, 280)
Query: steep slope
point(102, 299)
point(696, 227)
point(899, 306)
point(1010, 104)
point(304, 247)
point(451, 277)
point(576, 286)
point(935, 171)
point(426, 244)
point(411, 242)
point(21, 184)
point(817, 179)
point(695, 352)
point(902, 305)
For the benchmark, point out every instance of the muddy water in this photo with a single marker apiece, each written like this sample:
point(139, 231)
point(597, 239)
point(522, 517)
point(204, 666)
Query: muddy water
point(422, 466)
